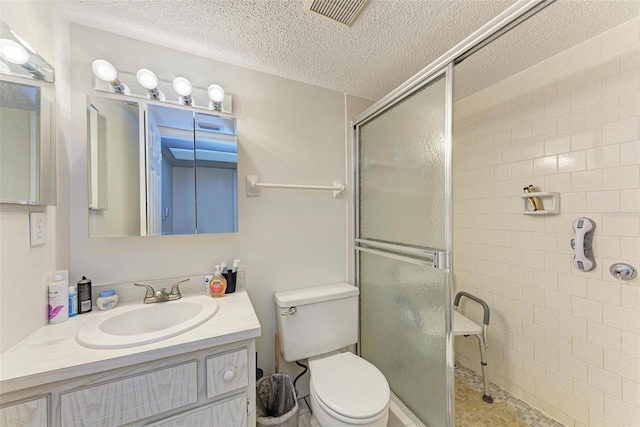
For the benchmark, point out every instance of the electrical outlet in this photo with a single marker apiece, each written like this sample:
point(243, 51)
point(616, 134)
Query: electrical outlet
point(38, 228)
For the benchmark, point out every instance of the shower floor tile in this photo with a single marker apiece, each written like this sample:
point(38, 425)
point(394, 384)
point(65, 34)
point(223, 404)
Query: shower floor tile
point(507, 410)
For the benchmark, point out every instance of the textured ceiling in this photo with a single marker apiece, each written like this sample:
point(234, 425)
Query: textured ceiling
point(389, 41)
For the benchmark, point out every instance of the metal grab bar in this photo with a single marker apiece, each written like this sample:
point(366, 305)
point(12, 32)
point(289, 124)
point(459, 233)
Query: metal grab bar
point(253, 186)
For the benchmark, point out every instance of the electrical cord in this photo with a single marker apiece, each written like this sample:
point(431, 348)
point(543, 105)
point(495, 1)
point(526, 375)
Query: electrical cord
point(299, 375)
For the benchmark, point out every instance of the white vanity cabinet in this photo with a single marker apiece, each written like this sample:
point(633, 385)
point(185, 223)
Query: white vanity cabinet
point(211, 387)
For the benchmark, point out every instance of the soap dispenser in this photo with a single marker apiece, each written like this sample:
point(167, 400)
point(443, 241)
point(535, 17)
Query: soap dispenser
point(218, 285)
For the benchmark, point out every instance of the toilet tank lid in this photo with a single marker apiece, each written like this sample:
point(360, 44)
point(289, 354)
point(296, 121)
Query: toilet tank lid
point(315, 294)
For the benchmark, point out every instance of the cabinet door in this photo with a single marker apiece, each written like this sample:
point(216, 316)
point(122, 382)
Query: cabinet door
point(226, 373)
point(131, 399)
point(230, 412)
point(30, 413)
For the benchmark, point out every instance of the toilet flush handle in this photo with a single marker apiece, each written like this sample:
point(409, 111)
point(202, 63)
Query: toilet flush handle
point(291, 312)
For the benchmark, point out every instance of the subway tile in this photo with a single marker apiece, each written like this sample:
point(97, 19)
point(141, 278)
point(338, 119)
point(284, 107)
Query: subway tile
point(543, 279)
point(586, 95)
point(630, 294)
point(573, 202)
point(557, 262)
point(620, 37)
point(537, 369)
point(598, 419)
point(629, 58)
point(588, 352)
point(546, 318)
point(621, 411)
point(621, 224)
point(525, 132)
point(629, 247)
point(621, 84)
point(624, 318)
point(630, 201)
point(572, 162)
point(573, 367)
point(604, 336)
point(629, 105)
point(603, 201)
point(524, 381)
point(545, 166)
point(572, 285)
point(510, 155)
point(631, 391)
point(532, 149)
point(621, 364)
point(631, 344)
point(630, 153)
point(557, 105)
point(546, 127)
point(544, 242)
point(501, 139)
point(523, 346)
point(585, 54)
point(574, 119)
point(532, 113)
point(545, 90)
point(560, 183)
point(546, 356)
point(557, 144)
point(558, 342)
point(590, 180)
point(603, 157)
point(522, 169)
point(603, 112)
point(608, 246)
point(586, 138)
point(606, 67)
point(532, 295)
point(606, 381)
point(572, 326)
point(576, 410)
point(511, 120)
point(620, 131)
point(604, 291)
point(586, 309)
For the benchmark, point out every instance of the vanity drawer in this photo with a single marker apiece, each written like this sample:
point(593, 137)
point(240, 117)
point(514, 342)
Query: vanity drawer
point(226, 372)
point(27, 413)
point(131, 399)
point(230, 412)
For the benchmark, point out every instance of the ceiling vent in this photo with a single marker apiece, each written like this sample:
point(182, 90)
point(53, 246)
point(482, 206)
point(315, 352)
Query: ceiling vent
point(343, 11)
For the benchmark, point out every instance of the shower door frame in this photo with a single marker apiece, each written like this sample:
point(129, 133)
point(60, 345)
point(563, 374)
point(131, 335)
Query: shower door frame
point(502, 23)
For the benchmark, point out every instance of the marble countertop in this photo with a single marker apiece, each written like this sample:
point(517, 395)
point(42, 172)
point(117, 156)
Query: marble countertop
point(52, 353)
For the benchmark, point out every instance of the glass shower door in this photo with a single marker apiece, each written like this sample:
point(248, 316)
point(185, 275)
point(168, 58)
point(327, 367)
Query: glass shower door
point(403, 247)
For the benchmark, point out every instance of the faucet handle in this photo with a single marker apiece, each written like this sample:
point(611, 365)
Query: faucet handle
point(175, 289)
point(150, 291)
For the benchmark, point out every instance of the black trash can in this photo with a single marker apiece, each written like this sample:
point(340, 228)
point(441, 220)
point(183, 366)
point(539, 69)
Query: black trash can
point(276, 401)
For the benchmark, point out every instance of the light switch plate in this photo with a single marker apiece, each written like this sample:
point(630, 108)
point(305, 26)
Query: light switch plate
point(38, 228)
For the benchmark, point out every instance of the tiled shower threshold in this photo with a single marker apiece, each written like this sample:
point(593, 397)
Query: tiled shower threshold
point(506, 411)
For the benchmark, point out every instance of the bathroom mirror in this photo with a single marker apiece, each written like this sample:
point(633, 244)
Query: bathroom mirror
point(97, 153)
point(157, 170)
point(114, 131)
point(27, 143)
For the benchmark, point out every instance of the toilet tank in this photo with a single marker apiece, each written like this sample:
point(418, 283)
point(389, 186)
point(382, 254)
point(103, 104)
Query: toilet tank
point(325, 320)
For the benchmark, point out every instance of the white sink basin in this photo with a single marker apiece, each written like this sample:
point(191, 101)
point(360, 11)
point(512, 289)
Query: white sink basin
point(137, 325)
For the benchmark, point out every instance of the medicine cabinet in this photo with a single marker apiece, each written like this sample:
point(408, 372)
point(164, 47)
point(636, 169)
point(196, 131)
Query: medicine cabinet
point(159, 170)
point(27, 142)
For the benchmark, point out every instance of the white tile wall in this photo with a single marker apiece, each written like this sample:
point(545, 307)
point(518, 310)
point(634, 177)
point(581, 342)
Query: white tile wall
point(565, 341)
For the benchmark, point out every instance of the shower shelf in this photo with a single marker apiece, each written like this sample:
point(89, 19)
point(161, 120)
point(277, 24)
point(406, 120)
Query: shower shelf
point(553, 198)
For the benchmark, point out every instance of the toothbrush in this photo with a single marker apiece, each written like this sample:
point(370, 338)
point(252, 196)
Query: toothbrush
point(223, 265)
point(234, 267)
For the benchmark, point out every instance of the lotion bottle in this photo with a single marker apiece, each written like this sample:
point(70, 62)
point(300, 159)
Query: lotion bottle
point(218, 284)
point(59, 297)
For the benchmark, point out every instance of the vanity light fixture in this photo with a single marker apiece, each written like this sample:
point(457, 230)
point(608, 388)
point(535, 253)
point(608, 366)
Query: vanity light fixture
point(104, 70)
point(149, 81)
point(216, 95)
point(183, 87)
point(15, 53)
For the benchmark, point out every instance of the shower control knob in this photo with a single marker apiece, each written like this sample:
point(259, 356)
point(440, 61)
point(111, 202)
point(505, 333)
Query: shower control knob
point(623, 271)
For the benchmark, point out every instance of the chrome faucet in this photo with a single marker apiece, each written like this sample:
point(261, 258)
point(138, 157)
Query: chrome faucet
point(162, 295)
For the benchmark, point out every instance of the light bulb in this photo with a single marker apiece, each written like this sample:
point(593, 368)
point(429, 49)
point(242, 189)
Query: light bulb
point(182, 86)
point(13, 52)
point(147, 79)
point(104, 70)
point(216, 93)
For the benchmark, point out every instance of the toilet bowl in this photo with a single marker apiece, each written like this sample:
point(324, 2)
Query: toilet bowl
point(346, 390)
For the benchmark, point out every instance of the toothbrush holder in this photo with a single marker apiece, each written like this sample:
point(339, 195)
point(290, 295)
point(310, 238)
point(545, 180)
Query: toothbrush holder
point(231, 281)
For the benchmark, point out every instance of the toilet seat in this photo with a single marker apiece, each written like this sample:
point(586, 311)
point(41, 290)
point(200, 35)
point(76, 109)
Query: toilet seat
point(349, 387)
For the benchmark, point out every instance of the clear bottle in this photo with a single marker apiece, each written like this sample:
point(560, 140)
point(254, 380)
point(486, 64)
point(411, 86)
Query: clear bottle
point(73, 301)
point(218, 284)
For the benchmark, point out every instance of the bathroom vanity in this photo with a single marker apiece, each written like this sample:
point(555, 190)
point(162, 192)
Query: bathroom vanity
point(205, 376)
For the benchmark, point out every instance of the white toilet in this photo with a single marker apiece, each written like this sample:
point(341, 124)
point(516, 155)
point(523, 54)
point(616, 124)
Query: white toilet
point(314, 323)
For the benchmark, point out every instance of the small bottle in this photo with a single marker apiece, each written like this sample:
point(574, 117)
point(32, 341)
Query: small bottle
point(218, 284)
point(73, 301)
point(536, 200)
point(107, 300)
point(532, 203)
point(84, 295)
point(59, 297)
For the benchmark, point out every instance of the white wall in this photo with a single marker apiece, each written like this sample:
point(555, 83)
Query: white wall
point(565, 341)
point(24, 270)
point(288, 132)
